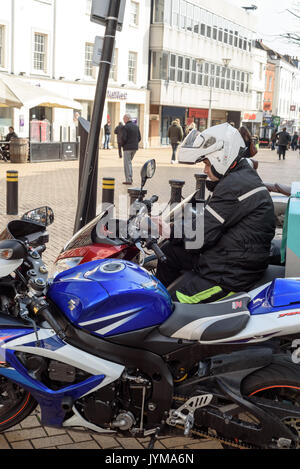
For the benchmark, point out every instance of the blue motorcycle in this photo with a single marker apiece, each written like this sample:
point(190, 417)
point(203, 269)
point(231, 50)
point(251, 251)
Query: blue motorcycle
point(102, 346)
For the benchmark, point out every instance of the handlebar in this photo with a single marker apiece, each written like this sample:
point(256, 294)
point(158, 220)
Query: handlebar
point(158, 252)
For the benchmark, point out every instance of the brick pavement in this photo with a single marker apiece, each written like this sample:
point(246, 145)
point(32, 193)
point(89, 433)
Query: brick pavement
point(56, 184)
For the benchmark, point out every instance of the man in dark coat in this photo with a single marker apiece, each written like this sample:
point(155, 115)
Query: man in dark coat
point(238, 224)
point(284, 139)
point(175, 134)
point(131, 137)
point(107, 134)
point(118, 132)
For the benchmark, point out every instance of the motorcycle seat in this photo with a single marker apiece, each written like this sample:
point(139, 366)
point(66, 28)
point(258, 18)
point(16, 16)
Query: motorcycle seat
point(210, 321)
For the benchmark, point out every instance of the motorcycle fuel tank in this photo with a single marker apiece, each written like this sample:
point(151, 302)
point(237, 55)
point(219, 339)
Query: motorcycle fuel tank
point(110, 297)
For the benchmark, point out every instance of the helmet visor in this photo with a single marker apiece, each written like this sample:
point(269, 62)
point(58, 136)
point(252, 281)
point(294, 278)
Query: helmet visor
point(193, 140)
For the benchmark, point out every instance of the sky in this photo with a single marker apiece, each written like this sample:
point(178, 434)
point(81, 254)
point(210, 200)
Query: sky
point(273, 20)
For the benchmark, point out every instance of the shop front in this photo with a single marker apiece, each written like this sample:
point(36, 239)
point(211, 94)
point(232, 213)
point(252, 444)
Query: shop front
point(168, 115)
point(199, 117)
point(253, 120)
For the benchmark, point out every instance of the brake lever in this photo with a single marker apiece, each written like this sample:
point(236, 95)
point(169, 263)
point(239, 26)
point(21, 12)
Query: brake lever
point(140, 248)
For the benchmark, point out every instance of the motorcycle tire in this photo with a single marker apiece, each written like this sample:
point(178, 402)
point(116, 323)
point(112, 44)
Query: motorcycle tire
point(280, 381)
point(16, 404)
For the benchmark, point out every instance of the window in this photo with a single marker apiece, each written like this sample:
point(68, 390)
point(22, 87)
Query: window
point(180, 69)
point(172, 67)
point(158, 11)
point(134, 13)
point(2, 45)
point(88, 68)
point(40, 52)
point(182, 14)
point(113, 68)
point(175, 13)
point(190, 17)
point(132, 66)
point(187, 70)
point(88, 7)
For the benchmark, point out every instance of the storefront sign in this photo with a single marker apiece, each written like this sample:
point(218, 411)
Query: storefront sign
point(119, 95)
point(253, 116)
point(198, 113)
point(276, 121)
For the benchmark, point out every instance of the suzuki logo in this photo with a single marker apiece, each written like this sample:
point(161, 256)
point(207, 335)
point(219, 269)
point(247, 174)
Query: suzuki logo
point(72, 305)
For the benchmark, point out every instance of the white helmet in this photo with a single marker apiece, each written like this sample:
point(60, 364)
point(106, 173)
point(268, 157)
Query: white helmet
point(220, 144)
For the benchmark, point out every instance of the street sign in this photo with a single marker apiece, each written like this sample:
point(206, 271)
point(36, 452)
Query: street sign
point(100, 10)
point(97, 53)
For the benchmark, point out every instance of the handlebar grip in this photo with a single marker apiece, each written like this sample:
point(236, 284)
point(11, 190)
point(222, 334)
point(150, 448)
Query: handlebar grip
point(158, 252)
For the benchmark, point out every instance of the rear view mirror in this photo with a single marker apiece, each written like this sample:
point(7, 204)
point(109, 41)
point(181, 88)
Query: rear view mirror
point(148, 171)
point(43, 215)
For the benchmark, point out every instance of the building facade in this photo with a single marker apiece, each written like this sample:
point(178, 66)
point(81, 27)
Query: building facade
point(49, 44)
point(201, 64)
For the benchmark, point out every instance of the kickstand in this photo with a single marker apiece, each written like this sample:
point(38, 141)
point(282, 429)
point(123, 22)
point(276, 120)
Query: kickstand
point(153, 439)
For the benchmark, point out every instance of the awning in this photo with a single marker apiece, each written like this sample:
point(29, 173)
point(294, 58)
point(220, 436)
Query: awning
point(7, 98)
point(25, 94)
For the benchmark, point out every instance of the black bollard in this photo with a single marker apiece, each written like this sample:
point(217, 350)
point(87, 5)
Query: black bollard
point(176, 191)
point(108, 191)
point(200, 185)
point(12, 181)
point(134, 194)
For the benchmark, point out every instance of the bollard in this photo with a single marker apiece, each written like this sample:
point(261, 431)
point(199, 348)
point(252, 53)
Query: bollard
point(12, 180)
point(134, 194)
point(176, 191)
point(200, 185)
point(108, 191)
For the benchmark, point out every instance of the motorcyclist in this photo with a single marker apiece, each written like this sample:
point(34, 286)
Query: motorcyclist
point(239, 223)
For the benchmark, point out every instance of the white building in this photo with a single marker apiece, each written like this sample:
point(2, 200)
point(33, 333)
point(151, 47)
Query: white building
point(49, 43)
point(252, 118)
point(286, 102)
point(201, 61)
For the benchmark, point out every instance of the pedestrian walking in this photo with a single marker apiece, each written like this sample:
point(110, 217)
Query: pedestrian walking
point(175, 134)
point(273, 139)
point(191, 127)
point(131, 137)
point(118, 132)
point(294, 144)
point(283, 140)
point(107, 134)
point(251, 149)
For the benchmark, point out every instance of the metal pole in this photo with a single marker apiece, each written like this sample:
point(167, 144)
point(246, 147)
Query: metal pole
point(90, 169)
point(210, 104)
point(201, 185)
point(176, 191)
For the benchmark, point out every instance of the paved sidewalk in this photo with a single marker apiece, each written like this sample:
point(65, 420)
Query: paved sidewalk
point(56, 184)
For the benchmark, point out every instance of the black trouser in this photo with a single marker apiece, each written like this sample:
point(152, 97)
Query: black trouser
point(174, 148)
point(185, 284)
point(281, 151)
point(120, 150)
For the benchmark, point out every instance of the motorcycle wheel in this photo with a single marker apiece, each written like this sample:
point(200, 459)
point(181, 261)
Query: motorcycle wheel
point(15, 404)
point(279, 382)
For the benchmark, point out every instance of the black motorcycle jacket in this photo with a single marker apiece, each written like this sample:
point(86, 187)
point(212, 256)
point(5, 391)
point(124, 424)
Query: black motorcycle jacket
point(239, 225)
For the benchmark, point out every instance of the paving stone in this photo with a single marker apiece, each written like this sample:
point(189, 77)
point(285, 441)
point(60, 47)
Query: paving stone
point(30, 422)
point(51, 441)
point(82, 445)
point(130, 443)
point(106, 442)
point(177, 441)
point(25, 434)
point(22, 445)
point(79, 436)
point(51, 431)
point(3, 443)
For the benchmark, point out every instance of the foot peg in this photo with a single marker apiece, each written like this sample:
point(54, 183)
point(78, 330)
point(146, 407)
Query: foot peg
point(184, 415)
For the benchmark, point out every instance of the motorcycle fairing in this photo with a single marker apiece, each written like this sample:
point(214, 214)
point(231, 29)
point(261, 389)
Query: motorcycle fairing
point(50, 346)
point(108, 297)
point(281, 294)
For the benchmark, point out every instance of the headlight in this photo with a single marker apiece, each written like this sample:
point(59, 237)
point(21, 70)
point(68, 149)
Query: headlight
point(64, 264)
